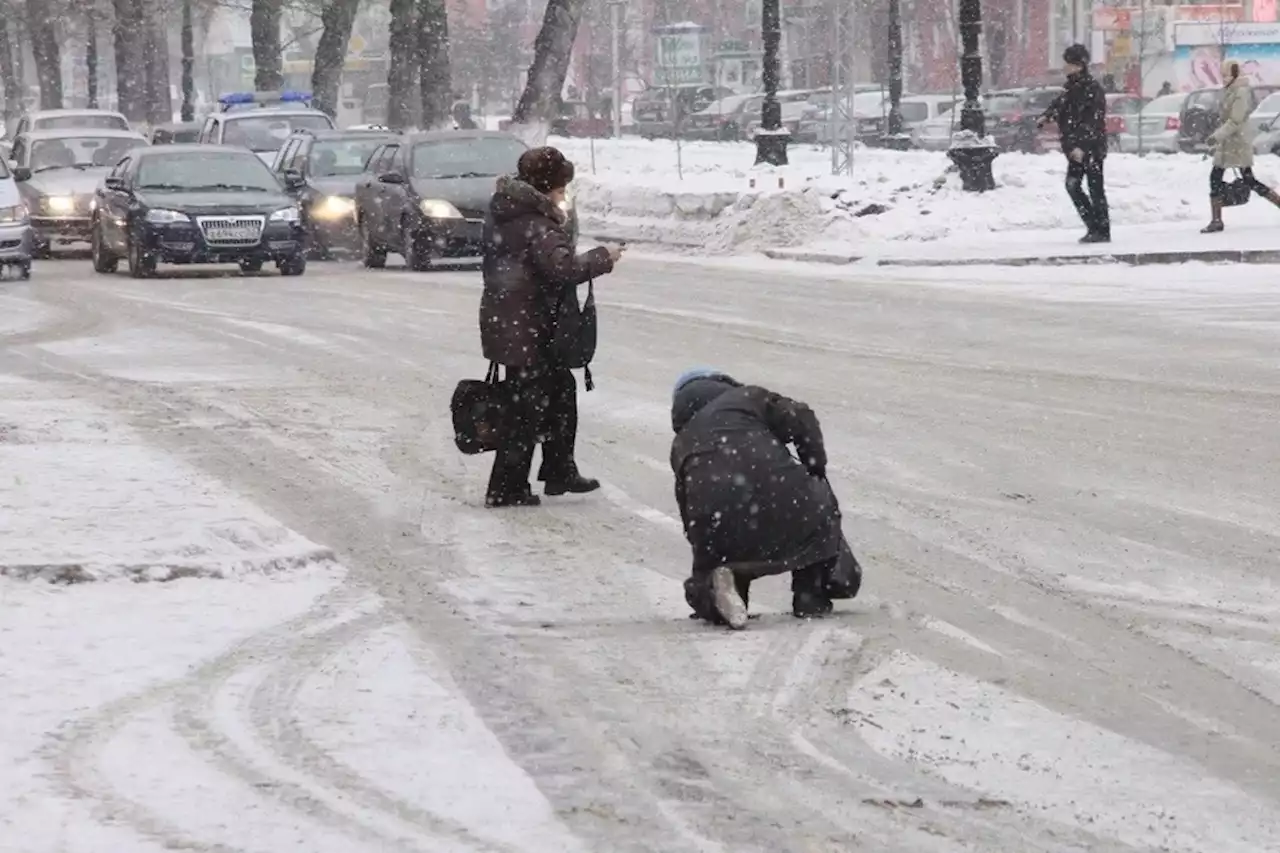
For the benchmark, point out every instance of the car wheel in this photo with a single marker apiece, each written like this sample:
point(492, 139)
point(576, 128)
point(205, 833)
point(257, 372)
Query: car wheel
point(417, 255)
point(42, 251)
point(1113, 143)
point(103, 260)
point(292, 265)
point(24, 270)
point(141, 265)
point(249, 266)
point(375, 255)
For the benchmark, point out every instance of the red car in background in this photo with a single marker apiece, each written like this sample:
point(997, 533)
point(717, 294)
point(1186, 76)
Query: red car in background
point(1122, 110)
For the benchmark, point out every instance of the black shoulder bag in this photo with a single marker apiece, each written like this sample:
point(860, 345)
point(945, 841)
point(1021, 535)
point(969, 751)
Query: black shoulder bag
point(573, 341)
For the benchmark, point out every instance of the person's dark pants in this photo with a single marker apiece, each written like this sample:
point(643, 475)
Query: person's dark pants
point(1091, 206)
point(543, 407)
point(1218, 186)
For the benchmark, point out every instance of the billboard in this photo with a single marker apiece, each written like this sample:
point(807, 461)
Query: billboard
point(680, 56)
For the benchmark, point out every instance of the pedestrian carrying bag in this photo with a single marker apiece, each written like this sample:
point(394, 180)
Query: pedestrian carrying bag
point(1237, 192)
point(478, 408)
point(573, 341)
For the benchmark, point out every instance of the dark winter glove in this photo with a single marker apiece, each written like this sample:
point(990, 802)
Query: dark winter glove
point(818, 471)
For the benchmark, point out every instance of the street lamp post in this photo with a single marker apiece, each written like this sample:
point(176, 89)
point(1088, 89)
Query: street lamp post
point(894, 136)
point(771, 137)
point(971, 149)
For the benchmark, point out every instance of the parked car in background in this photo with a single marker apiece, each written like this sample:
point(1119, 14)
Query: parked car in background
point(425, 195)
point(320, 170)
point(1012, 115)
point(1201, 115)
point(16, 242)
point(869, 109)
point(183, 133)
point(261, 121)
point(729, 119)
point(792, 113)
point(654, 112)
point(935, 134)
point(57, 172)
point(915, 110)
point(1155, 127)
point(69, 120)
point(195, 204)
point(1266, 112)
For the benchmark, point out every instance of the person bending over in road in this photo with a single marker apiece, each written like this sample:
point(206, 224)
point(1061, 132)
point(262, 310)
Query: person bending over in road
point(749, 507)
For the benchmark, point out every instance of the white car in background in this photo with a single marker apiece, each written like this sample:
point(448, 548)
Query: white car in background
point(1264, 119)
point(935, 134)
point(1155, 127)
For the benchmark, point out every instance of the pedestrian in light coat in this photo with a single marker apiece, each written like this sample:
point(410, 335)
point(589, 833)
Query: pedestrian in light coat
point(1233, 145)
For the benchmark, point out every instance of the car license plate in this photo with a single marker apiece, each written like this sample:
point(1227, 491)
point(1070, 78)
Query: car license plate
point(232, 233)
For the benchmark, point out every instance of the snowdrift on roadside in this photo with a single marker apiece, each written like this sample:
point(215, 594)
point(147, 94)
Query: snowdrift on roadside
point(638, 191)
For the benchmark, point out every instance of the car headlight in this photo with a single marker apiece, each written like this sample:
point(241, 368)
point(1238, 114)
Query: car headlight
point(334, 207)
point(60, 204)
point(160, 216)
point(16, 214)
point(286, 214)
point(438, 208)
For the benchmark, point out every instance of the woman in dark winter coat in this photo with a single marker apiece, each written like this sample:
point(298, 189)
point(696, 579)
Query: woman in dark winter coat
point(749, 507)
point(529, 267)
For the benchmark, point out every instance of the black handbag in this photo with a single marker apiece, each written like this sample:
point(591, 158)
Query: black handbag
point(479, 410)
point(573, 340)
point(1236, 192)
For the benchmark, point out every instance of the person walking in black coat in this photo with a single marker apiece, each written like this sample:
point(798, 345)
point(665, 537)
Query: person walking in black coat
point(749, 508)
point(529, 267)
point(1081, 115)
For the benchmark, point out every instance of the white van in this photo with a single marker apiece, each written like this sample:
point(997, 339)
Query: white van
point(15, 226)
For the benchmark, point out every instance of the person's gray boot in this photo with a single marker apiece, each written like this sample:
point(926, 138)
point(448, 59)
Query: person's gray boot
point(729, 603)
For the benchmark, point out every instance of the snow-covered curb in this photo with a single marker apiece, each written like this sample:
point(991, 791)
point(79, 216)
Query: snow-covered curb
point(889, 205)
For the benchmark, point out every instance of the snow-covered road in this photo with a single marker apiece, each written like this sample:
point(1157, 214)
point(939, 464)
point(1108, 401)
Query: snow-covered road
point(1065, 492)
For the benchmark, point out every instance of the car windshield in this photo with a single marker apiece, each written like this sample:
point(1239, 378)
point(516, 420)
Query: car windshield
point(207, 172)
point(268, 132)
point(79, 152)
point(468, 157)
point(342, 156)
point(1270, 104)
point(1003, 104)
point(80, 122)
point(1166, 105)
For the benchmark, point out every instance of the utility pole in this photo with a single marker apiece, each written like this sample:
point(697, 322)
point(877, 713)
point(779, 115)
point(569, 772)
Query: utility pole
point(771, 137)
point(841, 125)
point(971, 149)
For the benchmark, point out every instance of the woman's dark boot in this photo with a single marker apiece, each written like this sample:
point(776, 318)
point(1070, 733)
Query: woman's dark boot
point(505, 499)
point(1272, 196)
point(572, 483)
point(808, 598)
point(1215, 224)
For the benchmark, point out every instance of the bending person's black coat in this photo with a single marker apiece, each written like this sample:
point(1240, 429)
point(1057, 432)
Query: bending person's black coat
point(743, 498)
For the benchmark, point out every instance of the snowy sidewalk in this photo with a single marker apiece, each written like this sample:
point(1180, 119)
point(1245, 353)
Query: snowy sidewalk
point(1170, 243)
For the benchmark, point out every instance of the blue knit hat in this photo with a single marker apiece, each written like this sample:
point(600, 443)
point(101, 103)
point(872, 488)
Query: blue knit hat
point(695, 374)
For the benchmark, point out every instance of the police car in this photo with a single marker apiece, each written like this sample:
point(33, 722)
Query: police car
point(261, 121)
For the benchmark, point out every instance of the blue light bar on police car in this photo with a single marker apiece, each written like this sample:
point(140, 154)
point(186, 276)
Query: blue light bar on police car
point(240, 99)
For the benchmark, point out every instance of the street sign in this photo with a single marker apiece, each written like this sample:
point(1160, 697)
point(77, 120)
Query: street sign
point(679, 59)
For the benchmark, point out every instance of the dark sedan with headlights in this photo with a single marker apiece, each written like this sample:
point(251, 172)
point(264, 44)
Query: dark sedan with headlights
point(425, 195)
point(320, 168)
point(195, 204)
point(57, 172)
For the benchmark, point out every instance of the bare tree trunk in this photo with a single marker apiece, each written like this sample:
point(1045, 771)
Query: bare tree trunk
point(127, 33)
point(401, 66)
point(45, 50)
point(9, 72)
point(188, 63)
point(264, 29)
point(91, 57)
point(159, 103)
point(432, 55)
point(552, 51)
point(337, 19)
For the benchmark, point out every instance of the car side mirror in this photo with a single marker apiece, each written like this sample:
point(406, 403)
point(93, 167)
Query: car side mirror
point(113, 183)
point(294, 180)
point(391, 178)
point(21, 173)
